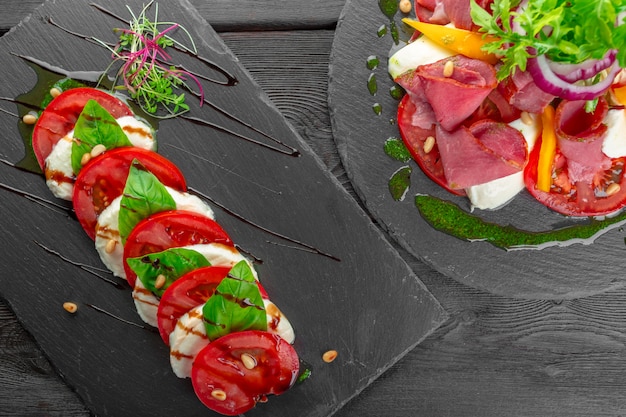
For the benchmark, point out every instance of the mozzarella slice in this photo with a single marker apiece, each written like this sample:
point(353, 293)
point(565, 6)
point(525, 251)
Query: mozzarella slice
point(58, 165)
point(494, 194)
point(186, 340)
point(277, 322)
point(614, 145)
point(108, 241)
point(422, 51)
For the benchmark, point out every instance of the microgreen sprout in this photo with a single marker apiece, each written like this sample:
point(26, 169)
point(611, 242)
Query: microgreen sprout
point(146, 71)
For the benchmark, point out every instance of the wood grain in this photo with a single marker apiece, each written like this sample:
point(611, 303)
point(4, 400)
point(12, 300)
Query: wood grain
point(226, 15)
point(495, 357)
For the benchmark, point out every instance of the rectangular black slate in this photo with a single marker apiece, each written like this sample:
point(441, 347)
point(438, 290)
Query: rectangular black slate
point(369, 306)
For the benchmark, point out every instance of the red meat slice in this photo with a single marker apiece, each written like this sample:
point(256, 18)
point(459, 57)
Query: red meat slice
point(485, 151)
point(580, 135)
point(455, 97)
point(521, 92)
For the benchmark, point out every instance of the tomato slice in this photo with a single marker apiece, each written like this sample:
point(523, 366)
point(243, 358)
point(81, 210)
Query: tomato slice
point(60, 116)
point(104, 177)
point(578, 199)
point(230, 385)
point(414, 138)
point(170, 229)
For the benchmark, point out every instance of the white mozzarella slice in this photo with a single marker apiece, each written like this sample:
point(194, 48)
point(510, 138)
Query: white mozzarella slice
point(107, 228)
point(58, 168)
point(277, 322)
point(58, 165)
point(495, 194)
point(614, 145)
point(422, 51)
point(186, 340)
point(146, 303)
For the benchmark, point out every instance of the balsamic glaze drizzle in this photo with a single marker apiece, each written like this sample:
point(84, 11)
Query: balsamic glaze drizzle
point(95, 271)
point(286, 149)
point(132, 323)
point(311, 248)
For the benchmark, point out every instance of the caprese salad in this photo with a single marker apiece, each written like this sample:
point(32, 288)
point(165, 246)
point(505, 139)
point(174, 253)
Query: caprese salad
point(187, 277)
point(507, 95)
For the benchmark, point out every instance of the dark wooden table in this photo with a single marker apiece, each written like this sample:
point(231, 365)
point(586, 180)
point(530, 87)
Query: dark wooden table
point(495, 356)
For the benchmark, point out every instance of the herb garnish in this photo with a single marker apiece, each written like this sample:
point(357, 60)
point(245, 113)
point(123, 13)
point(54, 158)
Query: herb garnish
point(567, 31)
point(146, 72)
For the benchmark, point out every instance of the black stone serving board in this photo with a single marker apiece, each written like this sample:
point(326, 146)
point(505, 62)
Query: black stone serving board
point(369, 305)
point(552, 273)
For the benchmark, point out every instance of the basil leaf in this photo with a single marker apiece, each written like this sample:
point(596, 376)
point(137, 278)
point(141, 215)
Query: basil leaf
point(95, 126)
point(143, 195)
point(171, 263)
point(236, 305)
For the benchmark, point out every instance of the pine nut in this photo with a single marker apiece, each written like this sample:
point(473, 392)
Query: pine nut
point(448, 69)
point(218, 394)
point(97, 150)
point(613, 188)
point(526, 118)
point(110, 246)
point(70, 307)
point(55, 92)
point(29, 118)
point(429, 143)
point(405, 6)
point(248, 360)
point(85, 159)
point(329, 356)
point(159, 282)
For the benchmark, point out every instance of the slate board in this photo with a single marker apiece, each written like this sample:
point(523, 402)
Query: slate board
point(369, 306)
point(551, 273)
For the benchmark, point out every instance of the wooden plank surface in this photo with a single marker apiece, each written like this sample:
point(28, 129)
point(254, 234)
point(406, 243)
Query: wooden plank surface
point(496, 356)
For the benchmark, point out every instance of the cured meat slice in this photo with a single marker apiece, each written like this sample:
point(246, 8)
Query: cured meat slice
point(580, 135)
point(455, 96)
point(431, 11)
point(485, 151)
point(521, 91)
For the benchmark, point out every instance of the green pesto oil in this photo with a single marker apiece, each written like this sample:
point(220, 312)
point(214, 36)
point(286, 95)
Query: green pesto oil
point(372, 62)
point(372, 84)
point(451, 219)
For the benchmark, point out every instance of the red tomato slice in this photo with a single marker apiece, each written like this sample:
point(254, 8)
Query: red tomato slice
point(60, 116)
point(579, 199)
point(103, 179)
point(229, 385)
point(414, 138)
point(187, 292)
point(170, 229)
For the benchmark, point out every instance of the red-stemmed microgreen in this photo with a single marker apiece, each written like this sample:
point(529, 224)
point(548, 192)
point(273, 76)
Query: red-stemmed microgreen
point(146, 72)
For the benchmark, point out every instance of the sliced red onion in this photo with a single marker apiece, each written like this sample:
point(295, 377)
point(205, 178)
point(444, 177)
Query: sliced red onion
point(583, 71)
point(549, 82)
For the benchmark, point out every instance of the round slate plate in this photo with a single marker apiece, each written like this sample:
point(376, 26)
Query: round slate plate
point(552, 273)
point(343, 287)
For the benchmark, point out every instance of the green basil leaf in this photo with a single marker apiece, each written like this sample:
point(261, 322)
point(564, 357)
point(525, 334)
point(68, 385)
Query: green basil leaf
point(171, 263)
point(236, 305)
point(95, 126)
point(143, 195)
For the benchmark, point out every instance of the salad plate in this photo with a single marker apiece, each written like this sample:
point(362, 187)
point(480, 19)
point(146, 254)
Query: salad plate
point(332, 272)
point(363, 107)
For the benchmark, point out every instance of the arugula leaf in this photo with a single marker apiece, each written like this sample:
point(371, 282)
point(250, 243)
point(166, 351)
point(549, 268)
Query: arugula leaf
point(236, 305)
point(143, 195)
point(171, 263)
point(568, 31)
point(95, 126)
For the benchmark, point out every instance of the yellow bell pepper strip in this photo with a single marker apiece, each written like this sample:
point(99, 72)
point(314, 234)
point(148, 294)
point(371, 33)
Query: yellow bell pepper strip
point(547, 151)
point(464, 42)
point(620, 94)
